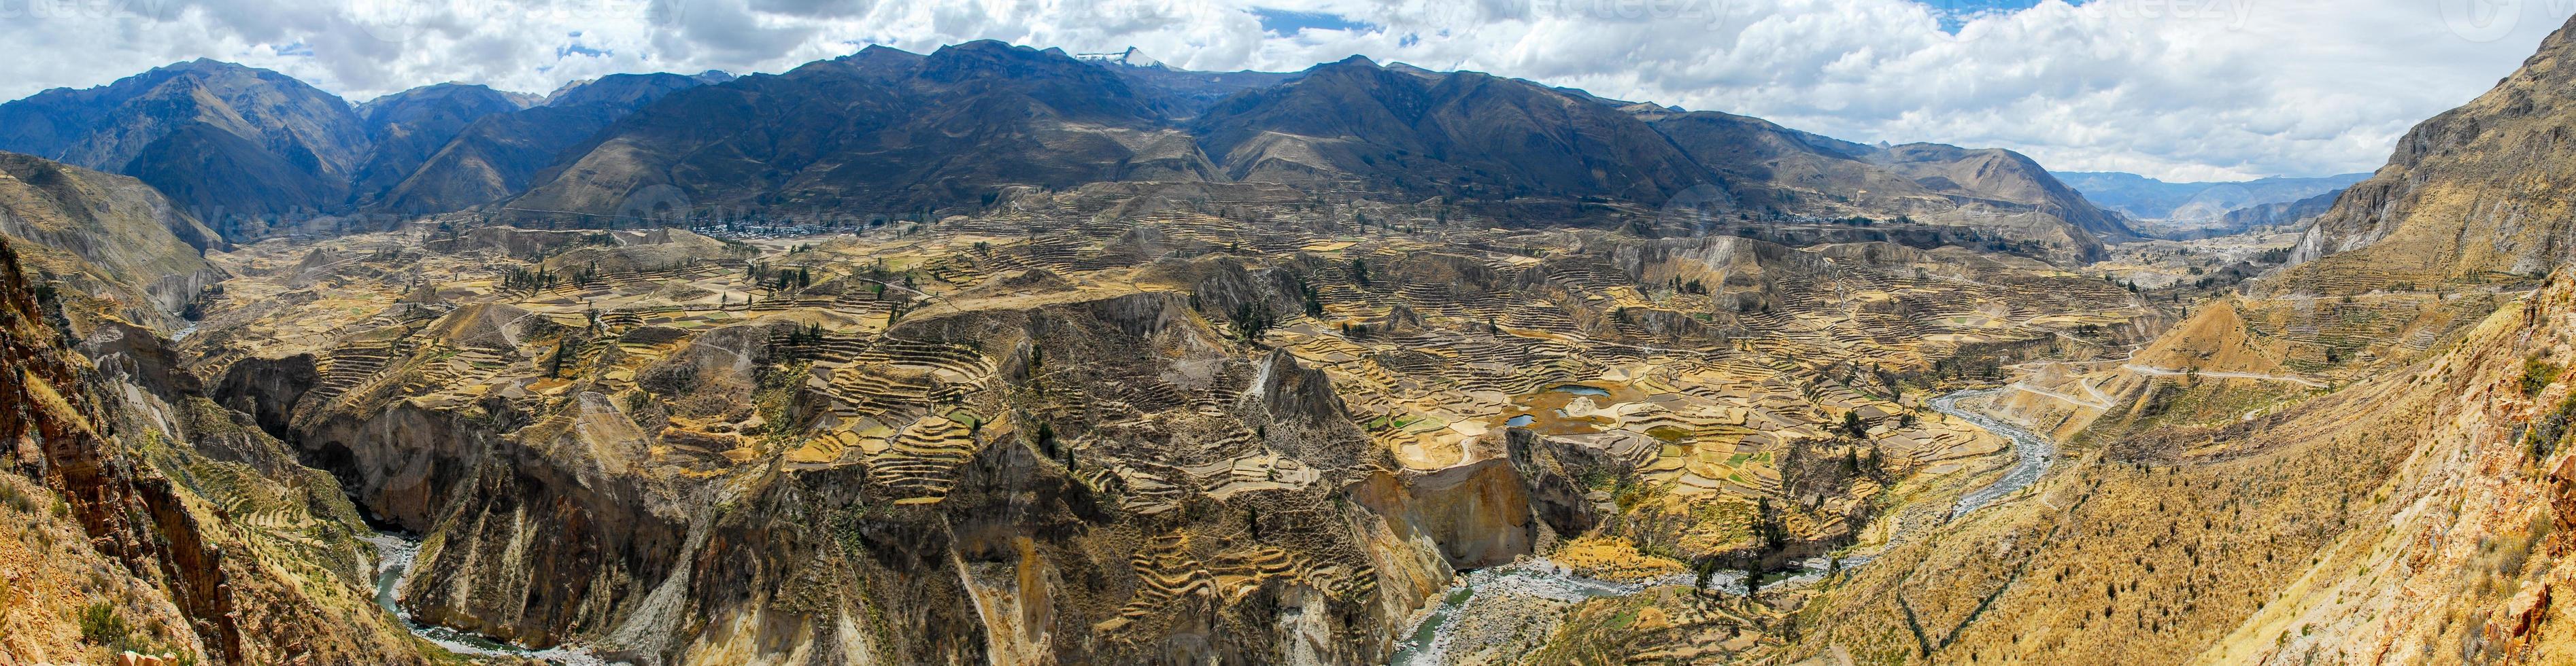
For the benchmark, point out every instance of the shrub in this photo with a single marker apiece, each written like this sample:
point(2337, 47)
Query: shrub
point(101, 625)
point(2543, 435)
point(15, 499)
point(2538, 374)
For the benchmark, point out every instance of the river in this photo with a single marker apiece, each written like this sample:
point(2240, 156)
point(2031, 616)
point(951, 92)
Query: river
point(1434, 632)
point(2033, 453)
point(394, 555)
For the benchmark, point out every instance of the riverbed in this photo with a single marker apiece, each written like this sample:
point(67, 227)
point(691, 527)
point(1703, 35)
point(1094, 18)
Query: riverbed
point(1435, 637)
point(2032, 452)
point(394, 555)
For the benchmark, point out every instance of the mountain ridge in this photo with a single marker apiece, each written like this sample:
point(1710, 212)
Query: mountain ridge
point(1390, 129)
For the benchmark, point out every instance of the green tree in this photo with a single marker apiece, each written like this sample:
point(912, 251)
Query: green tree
point(1251, 321)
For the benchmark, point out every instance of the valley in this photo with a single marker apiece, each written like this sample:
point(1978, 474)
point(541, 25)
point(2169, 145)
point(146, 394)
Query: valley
point(1691, 399)
point(995, 354)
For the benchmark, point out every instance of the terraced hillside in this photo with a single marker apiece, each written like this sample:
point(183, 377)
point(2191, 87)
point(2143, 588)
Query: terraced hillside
point(2357, 459)
point(2417, 515)
point(1087, 427)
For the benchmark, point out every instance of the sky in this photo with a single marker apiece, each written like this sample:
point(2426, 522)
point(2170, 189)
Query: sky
point(2172, 89)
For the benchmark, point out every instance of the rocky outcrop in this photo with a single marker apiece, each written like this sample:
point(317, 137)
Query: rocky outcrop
point(129, 354)
point(1477, 513)
point(268, 389)
point(1512, 497)
point(1554, 474)
point(402, 462)
point(1289, 392)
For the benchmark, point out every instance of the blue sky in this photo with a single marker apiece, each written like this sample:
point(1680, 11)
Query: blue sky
point(1290, 22)
point(1956, 13)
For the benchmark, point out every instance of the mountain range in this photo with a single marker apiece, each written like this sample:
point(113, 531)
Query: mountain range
point(245, 149)
point(251, 152)
point(2198, 208)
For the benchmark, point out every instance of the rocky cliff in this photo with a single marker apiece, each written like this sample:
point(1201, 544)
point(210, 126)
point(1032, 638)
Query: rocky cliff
point(2468, 195)
point(120, 245)
point(203, 538)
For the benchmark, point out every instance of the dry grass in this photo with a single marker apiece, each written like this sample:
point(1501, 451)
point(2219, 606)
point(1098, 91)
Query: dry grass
point(1609, 558)
point(2125, 561)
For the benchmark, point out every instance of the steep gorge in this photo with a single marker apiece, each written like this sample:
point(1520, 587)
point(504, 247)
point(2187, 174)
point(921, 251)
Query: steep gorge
point(162, 487)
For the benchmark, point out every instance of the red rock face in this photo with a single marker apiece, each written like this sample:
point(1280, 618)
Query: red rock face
point(129, 511)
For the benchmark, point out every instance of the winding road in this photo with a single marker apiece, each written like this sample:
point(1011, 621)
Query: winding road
point(2034, 452)
point(2167, 372)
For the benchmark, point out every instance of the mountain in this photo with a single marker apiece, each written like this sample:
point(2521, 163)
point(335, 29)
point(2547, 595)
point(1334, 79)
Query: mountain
point(1999, 174)
point(2268, 214)
point(1769, 167)
point(1183, 93)
point(125, 248)
point(881, 129)
point(497, 154)
point(242, 148)
point(221, 176)
point(2471, 194)
point(1461, 134)
point(408, 127)
point(1766, 167)
point(2188, 207)
point(229, 142)
point(886, 131)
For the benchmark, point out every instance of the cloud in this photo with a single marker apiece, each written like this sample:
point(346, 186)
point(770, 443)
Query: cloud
point(2178, 89)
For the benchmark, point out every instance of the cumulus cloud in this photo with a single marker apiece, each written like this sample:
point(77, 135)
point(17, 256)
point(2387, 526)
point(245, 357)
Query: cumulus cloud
point(2179, 89)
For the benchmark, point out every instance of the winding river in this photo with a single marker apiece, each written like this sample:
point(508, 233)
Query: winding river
point(1434, 634)
point(2033, 451)
point(394, 555)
